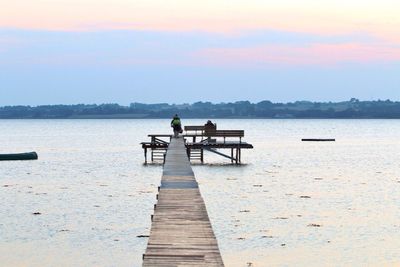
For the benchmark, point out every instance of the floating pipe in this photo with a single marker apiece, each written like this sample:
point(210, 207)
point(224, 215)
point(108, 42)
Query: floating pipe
point(19, 156)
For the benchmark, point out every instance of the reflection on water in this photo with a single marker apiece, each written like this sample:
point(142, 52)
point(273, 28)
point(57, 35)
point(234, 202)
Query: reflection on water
point(89, 196)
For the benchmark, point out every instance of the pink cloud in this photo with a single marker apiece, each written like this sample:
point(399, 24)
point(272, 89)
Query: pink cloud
point(314, 54)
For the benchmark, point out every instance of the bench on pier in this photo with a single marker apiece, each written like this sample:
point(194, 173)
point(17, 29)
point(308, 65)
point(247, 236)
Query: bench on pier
point(200, 129)
point(195, 129)
point(225, 134)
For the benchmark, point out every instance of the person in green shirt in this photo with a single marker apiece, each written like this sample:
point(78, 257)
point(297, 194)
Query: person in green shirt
point(176, 125)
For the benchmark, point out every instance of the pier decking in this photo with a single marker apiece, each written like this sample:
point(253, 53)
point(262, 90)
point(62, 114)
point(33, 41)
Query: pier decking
point(181, 233)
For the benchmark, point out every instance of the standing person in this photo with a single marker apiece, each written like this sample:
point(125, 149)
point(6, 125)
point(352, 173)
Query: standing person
point(176, 125)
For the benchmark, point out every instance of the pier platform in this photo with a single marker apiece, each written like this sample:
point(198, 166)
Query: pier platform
point(181, 233)
point(201, 140)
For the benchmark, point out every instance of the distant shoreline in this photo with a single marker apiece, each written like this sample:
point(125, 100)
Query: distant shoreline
point(352, 109)
point(196, 118)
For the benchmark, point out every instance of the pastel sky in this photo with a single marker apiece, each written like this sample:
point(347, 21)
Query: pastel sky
point(94, 51)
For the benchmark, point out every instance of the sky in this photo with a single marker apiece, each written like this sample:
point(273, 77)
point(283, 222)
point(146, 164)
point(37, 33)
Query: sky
point(183, 51)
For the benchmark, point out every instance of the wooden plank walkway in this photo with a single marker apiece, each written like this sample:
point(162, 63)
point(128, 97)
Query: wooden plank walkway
point(181, 232)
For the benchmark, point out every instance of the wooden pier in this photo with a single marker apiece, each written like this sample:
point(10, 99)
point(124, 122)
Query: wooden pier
point(181, 232)
point(197, 140)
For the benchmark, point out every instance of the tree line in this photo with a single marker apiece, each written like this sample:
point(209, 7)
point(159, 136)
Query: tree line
point(240, 109)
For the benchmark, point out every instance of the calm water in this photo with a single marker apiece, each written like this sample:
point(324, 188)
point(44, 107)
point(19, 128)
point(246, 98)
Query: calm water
point(291, 204)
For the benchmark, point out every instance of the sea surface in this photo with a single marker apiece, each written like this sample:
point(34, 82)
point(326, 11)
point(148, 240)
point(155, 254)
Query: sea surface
point(291, 203)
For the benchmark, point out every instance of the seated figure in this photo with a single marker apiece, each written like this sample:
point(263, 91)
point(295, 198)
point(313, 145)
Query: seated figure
point(210, 127)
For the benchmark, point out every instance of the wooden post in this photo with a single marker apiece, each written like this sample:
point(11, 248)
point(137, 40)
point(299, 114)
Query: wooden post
point(152, 155)
point(188, 152)
point(231, 155)
point(237, 155)
point(202, 155)
point(145, 155)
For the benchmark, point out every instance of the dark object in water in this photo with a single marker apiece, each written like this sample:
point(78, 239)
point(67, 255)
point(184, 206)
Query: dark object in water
point(314, 225)
point(19, 156)
point(318, 140)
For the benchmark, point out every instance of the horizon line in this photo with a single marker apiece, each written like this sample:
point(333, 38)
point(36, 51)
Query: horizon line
point(210, 102)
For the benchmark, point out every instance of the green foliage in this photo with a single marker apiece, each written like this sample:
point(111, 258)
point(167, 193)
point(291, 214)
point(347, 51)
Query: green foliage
point(241, 109)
